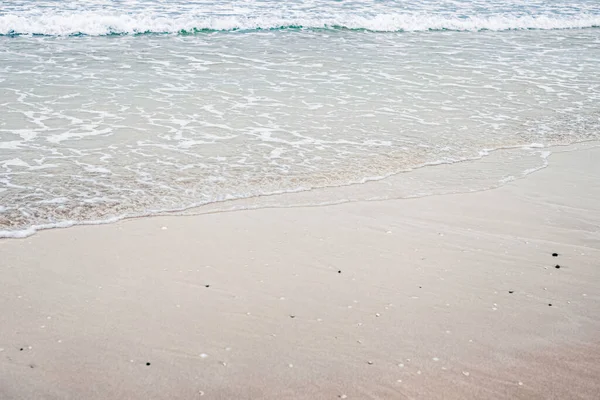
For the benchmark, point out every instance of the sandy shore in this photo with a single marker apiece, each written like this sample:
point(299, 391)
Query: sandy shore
point(442, 297)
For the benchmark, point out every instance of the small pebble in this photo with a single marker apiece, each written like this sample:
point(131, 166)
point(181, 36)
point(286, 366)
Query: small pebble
point(206, 285)
point(401, 365)
point(370, 362)
point(203, 355)
point(550, 304)
point(378, 315)
point(435, 359)
point(511, 291)
point(554, 254)
point(339, 272)
point(292, 316)
point(465, 373)
point(147, 363)
point(419, 372)
point(291, 365)
point(520, 383)
point(557, 266)
point(343, 396)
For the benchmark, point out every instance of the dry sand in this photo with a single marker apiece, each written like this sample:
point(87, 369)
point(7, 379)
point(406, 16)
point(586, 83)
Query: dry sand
point(443, 297)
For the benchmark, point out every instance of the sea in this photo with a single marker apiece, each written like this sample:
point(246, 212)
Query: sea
point(112, 109)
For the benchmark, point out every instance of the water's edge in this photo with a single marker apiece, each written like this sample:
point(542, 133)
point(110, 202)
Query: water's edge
point(368, 189)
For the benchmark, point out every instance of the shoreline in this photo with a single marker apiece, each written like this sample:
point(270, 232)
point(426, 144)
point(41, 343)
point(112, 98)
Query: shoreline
point(432, 297)
point(350, 192)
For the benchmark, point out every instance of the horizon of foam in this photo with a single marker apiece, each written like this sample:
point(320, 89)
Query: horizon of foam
point(103, 24)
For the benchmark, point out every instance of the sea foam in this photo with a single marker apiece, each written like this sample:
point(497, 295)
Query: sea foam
point(95, 23)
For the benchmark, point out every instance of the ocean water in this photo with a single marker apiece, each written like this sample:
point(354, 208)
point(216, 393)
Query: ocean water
point(113, 109)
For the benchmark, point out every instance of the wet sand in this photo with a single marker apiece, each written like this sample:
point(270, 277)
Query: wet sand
point(442, 297)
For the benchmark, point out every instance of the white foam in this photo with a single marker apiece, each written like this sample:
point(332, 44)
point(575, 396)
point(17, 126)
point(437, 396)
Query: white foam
point(98, 23)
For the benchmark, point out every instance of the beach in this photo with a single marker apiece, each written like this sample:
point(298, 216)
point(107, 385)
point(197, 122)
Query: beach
point(491, 294)
point(261, 199)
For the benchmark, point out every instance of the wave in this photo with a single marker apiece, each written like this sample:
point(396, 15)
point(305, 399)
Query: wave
point(98, 24)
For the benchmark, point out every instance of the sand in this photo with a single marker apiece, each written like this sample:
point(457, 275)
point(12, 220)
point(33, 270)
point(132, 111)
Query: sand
point(442, 297)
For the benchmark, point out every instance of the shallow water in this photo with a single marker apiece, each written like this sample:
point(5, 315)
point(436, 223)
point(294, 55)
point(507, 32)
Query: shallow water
point(98, 123)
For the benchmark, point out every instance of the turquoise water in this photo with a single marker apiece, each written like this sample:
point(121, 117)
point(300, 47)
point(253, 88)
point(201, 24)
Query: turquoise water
point(112, 109)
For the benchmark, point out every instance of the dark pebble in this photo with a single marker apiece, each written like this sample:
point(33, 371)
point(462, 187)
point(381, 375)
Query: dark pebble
point(339, 272)
point(557, 266)
point(511, 291)
point(554, 254)
point(292, 316)
point(420, 287)
point(31, 366)
point(147, 363)
point(550, 304)
point(206, 285)
point(21, 349)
